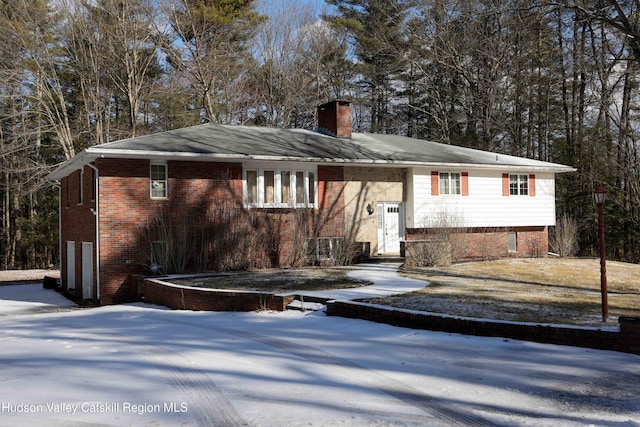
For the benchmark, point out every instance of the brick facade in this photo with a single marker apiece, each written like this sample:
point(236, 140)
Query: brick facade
point(486, 243)
point(77, 201)
point(207, 228)
point(204, 202)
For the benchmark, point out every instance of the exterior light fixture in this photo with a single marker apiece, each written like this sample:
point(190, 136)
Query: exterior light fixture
point(600, 197)
point(370, 209)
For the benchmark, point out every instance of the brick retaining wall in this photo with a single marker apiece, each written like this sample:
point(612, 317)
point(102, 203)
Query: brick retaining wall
point(205, 299)
point(627, 339)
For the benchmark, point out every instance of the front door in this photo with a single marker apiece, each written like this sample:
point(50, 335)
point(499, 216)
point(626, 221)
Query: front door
point(87, 270)
point(389, 226)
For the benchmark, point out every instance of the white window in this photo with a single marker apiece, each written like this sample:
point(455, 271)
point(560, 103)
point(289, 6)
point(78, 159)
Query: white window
point(158, 180)
point(252, 187)
point(285, 188)
point(269, 196)
point(449, 183)
point(518, 185)
point(311, 188)
point(279, 188)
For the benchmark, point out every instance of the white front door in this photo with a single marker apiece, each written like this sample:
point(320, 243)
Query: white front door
point(71, 265)
point(389, 226)
point(87, 270)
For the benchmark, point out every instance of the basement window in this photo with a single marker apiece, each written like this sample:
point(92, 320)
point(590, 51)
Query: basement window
point(279, 188)
point(324, 249)
point(512, 242)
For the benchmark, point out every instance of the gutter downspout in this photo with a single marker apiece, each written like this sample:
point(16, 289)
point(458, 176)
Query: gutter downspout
point(96, 213)
point(59, 185)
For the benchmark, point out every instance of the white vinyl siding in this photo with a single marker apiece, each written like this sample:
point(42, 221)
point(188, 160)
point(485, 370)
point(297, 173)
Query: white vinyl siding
point(484, 207)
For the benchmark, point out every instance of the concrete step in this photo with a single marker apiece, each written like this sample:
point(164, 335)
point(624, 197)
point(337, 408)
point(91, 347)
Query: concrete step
point(307, 303)
point(382, 259)
point(305, 306)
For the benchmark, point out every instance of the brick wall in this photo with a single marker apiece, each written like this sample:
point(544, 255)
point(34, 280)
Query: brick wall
point(186, 298)
point(77, 199)
point(202, 196)
point(627, 339)
point(487, 243)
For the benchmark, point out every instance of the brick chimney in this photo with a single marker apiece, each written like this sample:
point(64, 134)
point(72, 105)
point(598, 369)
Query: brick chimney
point(334, 118)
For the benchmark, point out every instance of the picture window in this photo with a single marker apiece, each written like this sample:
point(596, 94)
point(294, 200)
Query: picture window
point(275, 188)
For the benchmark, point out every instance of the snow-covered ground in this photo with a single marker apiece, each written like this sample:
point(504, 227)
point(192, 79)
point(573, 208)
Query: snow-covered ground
point(136, 365)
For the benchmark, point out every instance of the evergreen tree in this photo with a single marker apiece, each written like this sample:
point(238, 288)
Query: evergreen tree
point(211, 50)
point(377, 30)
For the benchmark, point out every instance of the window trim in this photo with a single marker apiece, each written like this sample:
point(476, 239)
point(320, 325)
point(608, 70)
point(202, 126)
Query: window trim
point(293, 172)
point(165, 180)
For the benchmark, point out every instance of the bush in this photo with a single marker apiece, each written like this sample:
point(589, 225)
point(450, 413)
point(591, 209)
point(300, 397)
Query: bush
point(563, 238)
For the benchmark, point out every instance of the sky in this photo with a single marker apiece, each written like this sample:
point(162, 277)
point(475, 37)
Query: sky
point(144, 365)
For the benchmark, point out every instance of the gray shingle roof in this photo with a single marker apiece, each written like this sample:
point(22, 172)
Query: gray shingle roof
point(226, 142)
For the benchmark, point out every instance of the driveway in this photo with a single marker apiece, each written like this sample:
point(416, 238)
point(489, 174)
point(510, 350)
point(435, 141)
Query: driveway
point(145, 365)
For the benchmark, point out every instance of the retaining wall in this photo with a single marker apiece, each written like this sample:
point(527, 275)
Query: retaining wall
point(187, 298)
point(627, 339)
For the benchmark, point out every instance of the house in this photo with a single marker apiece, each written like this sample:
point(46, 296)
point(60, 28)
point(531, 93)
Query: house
point(216, 197)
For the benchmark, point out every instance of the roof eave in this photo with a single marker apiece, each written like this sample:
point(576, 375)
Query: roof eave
point(92, 153)
point(71, 165)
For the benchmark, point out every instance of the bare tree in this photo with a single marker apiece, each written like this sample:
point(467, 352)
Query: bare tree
point(301, 64)
point(209, 46)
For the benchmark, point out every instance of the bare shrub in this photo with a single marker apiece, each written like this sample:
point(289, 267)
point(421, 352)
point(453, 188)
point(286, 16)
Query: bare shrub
point(202, 249)
point(164, 242)
point(299, 231)
point(307, 245)
point(428, 253)
point(563, 238)
point(442, 241)
point(237, 239)
point(462, 242)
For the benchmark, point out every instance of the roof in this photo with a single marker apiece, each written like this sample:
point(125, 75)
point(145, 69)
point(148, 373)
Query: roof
point(210, 142)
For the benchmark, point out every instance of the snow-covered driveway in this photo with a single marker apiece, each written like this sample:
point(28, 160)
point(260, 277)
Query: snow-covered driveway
point(144, 365)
